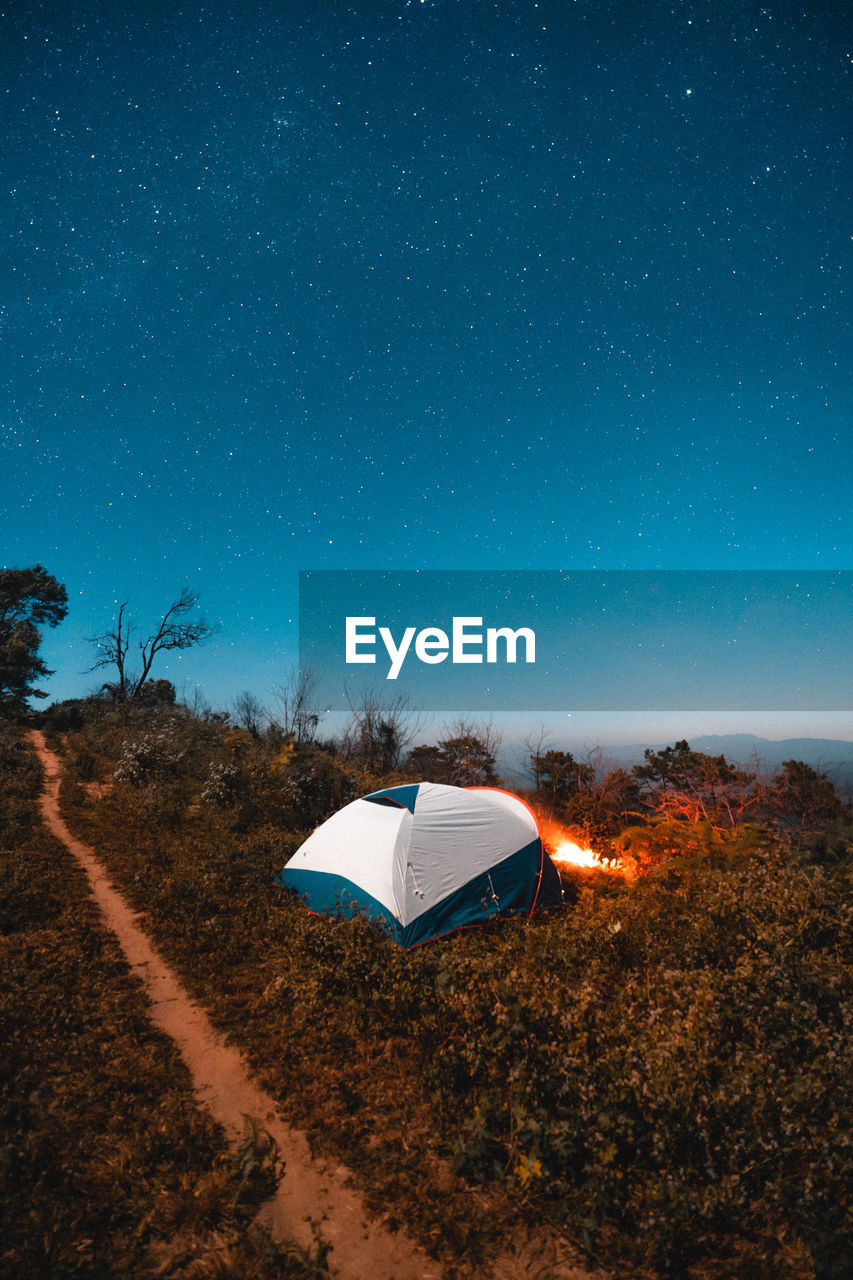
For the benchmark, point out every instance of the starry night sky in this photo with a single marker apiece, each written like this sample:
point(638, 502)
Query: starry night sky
point(429, 284)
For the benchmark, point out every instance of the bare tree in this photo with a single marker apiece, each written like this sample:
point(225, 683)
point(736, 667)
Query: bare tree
point(602, 766)
point(296, 698)
point(379, 731)
point(250, 714)
point(173, 632)
point(534, 745)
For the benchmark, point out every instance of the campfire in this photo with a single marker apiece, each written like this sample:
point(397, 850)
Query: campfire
point(565, 851)
point(568, 851)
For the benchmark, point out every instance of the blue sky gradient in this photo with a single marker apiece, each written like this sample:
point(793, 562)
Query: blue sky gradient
point(415, 285)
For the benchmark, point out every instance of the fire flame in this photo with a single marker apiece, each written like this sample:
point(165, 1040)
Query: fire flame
point(568, 851)
point(563, 849)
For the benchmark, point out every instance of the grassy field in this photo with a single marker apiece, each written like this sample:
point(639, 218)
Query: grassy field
point(660, 1073)
point(107, 1168)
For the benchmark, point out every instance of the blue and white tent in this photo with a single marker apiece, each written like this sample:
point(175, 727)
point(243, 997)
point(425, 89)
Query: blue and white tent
point(424, 859)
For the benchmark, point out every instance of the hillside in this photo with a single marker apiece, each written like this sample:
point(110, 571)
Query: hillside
point(654, 1079)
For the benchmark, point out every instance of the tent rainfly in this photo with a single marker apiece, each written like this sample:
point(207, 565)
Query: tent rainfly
point(424, 859)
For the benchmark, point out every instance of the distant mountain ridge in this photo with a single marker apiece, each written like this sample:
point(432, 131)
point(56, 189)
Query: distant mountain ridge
point(833, 756)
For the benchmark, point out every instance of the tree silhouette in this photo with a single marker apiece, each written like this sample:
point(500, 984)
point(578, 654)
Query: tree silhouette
point(29, 598)
point(694, 787)
point(173, 632)
point(559, 777)
point(465, 757)
point(801, 798)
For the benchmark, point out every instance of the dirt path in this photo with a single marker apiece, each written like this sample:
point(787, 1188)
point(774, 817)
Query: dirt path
point(309, 1192)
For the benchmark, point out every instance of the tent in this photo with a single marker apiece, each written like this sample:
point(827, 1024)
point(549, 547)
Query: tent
point(424, 859)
